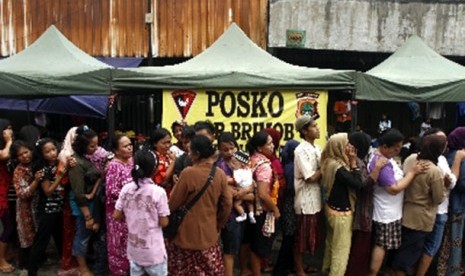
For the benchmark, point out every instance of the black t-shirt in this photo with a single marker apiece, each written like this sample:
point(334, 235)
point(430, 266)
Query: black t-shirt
point(344, 180)
point(54, 203)
point(181, 163)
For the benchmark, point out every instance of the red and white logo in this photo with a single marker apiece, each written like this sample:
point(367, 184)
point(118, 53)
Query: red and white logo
point(183, 99)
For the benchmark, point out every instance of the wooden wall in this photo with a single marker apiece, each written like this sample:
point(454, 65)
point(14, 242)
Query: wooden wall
point(99, 27)
point(116, 28)
point(187, 27)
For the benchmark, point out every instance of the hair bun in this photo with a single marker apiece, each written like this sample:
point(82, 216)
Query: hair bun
point(82, 129)
point(138, 171)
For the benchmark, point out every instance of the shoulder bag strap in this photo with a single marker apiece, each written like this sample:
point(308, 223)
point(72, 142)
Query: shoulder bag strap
point(204, 188)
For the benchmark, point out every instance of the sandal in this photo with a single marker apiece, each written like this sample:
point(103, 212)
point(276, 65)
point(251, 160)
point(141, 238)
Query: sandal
point(246, 273)
point(310, 269)
point(7, 269)
point(86, 273)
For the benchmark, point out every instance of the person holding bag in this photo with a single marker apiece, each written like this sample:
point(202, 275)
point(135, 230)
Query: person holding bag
point(194, 250)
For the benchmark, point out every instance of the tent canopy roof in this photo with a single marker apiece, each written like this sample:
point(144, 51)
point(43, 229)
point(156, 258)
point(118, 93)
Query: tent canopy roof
point(52, 54)
point(53, 66)
point(234, 61)
point(86, 106)
point(414, 72)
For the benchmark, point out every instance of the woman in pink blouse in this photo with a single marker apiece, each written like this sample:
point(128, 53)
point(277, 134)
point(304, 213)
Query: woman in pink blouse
point(263, 232)
point(118, 173)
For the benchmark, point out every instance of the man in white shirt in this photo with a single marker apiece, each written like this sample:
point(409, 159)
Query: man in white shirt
point(307, 201)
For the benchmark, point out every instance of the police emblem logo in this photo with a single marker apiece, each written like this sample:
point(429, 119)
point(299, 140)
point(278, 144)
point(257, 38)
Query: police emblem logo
point(307, 104)
point(183, 99)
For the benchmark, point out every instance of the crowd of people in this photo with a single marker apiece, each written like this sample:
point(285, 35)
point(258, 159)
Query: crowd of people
point(106, 209)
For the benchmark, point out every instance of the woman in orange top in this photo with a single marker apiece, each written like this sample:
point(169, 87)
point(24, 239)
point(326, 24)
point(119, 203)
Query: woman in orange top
point(160, 140)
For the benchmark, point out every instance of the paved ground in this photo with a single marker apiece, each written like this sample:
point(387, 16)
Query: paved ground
point(51, 267)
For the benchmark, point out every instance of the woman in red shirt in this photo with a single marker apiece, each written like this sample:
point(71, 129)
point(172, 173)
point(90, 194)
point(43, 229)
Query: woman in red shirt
point(160, 140)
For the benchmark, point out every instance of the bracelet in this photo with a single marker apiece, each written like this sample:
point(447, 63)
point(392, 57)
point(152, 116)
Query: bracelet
point(87, 218)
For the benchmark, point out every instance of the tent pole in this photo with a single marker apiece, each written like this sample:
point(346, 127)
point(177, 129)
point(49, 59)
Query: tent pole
point(28, 112)
point(354, 111)
point(111, 118)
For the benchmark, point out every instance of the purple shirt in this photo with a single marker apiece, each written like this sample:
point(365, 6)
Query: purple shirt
point(386, 175)
point(387, 208)
point(223, 165)
point(141, 208)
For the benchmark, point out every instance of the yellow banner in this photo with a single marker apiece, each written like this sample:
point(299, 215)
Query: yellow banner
point(244, 112)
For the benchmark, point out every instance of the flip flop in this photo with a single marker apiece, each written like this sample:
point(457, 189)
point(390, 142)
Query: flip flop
point(310, 269)
point(7, 269)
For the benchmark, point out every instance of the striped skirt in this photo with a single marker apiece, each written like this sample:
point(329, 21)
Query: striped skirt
point(310, 232)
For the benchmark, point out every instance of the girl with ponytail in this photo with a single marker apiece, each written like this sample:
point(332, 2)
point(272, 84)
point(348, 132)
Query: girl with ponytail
point(144, 206)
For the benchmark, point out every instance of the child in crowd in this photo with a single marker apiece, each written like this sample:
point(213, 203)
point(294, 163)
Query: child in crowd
point(145, 248)
point(50, 207)
point(183, 161)
point(177, 127)
point(25, 184)
point(425, 125)
point(244, 179)
point(384, 124)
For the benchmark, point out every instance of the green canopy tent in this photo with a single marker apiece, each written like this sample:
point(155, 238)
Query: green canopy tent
point(233, 61)
point(413, 73)
point(53, 66)
point(54, 72)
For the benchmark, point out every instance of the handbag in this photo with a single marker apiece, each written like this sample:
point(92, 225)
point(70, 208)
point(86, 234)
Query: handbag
point(177, 216)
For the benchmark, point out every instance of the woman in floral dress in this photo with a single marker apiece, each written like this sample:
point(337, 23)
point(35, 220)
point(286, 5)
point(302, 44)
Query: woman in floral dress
point(118, 173)
point(25, 183)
